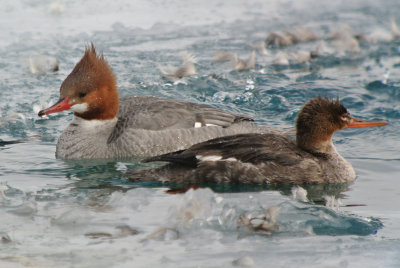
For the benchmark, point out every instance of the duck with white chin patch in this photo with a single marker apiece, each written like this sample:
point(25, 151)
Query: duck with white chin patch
point(106, 126)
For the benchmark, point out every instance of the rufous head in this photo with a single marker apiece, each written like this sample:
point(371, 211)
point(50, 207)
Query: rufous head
point(90, 90)
point(320, 118)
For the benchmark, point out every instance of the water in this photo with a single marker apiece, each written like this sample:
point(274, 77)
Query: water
point(57, 213)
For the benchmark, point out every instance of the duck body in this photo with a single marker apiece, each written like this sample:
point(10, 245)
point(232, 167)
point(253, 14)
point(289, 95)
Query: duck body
point(250, 158)
point(148, 126)
point(105, 126)
point(267, 158)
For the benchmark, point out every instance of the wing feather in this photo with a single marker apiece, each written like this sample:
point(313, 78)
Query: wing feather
point(248, 148)
point(151, 113)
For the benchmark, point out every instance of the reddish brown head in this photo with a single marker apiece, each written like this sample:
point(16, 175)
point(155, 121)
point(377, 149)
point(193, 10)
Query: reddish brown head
point(320, 118)
point(89, 90)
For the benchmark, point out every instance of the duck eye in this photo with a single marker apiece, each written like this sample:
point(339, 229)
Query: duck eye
point(345, 118)
point(82, 94)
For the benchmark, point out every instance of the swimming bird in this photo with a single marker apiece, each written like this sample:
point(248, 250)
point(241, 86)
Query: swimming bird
point(105, 126)
point(283, 58)
point(301, 34)
point(278, 40)
point(42, 64)
point(237, 63)
point(257, 158)
point(292, 36)
point(260, 47)
point(174, 74)
point(344, 40)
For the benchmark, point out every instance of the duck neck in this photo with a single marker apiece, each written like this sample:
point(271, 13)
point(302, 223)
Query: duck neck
point(336, 168)
point(316, 145)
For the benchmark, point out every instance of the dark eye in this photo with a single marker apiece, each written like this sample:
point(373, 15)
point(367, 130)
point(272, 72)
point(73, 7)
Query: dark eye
point(82, 94)
point(345, 118)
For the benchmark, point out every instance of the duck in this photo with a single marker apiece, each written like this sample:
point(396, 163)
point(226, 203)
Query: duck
point(292, 36)
point(284, 58)
point(266, 158)
point(301, 34)
point(106, 126)
point(278, 40)
point(237, 63)
point(174, 74)
point(42, 64)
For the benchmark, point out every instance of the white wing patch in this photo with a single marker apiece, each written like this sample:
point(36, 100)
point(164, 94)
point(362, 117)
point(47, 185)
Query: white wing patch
point(214, 158)
point(199, 124)
point(208, 157)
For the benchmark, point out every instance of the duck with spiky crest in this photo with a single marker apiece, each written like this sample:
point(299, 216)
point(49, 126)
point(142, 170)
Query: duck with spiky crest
point(106, 126)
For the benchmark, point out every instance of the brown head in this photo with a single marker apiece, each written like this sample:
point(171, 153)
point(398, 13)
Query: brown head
point(90, 90)
point(319, 119)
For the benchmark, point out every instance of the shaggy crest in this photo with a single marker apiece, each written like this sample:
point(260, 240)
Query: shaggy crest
point(318, 120)
point(90, 73)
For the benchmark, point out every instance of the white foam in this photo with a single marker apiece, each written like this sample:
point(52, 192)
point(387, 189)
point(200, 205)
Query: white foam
point(299, 194)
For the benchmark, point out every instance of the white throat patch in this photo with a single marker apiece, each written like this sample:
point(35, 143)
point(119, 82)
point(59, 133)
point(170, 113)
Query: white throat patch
point(97, 125)
point(79, 108)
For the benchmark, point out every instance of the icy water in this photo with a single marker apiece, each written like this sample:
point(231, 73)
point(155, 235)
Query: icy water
point(56, 213)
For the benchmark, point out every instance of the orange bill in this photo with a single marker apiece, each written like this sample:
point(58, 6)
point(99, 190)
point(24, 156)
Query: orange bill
point(356, 123)
point(60, 105)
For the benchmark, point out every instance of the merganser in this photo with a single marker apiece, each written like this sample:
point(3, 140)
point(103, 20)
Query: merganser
point(260, 47)
point(174, 74)
point(255, 158)
point(283, 58)
point(106, 127)
point(42, 64)
point(278, 40)
point(295, 35)
point(301, 34)
point(237, 63)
